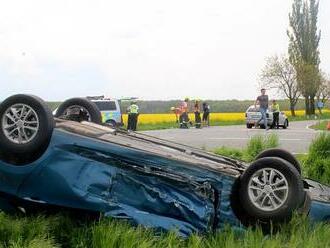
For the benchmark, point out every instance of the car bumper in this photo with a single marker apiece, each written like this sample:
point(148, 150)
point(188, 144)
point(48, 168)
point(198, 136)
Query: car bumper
point(253, 121)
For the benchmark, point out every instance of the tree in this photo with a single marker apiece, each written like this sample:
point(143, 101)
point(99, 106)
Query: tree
point(279, 74)
point(303, 49)
point(309, 81)
point(323, 94)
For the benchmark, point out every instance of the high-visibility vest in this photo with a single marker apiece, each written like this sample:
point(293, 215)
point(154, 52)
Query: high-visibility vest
point(276, 108)
point(133, 109)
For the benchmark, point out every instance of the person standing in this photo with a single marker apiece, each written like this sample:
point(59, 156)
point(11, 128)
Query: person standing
point(133, 113)
point(197, 112)
point(206, 114)
point(177, 113)
point(276, 114)
point(262, 100)
point(184, 117)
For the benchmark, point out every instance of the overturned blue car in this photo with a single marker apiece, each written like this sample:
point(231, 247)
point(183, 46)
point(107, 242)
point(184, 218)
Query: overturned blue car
point(73, 161)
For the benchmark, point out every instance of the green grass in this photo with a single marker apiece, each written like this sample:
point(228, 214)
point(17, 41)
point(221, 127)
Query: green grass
point(255, 145)
point(62, 231)
point(65, 231)
point(25, 232)
point(157, 126)
point(320, 125)
point(317, 162)
point(171, 125)
point(324, 116)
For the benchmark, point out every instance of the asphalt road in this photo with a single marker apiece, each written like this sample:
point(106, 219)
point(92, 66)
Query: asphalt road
point(296, 138)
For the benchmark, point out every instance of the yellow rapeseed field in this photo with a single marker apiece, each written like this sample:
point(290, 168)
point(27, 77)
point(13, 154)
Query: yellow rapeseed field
point(162, 118)
point(170, 117)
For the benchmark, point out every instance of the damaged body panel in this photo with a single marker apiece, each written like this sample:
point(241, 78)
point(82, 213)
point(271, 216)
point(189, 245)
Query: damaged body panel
point(153, 185)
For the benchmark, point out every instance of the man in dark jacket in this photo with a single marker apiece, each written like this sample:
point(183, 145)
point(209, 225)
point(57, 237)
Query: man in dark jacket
point(197, 112)
point(206, 114)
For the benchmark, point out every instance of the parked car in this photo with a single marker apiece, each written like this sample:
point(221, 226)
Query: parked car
point(253, 115)
point(109, 109)
point(51, 162)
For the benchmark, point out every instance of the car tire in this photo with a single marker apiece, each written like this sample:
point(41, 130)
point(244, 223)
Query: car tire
point(283, 154)
point(26, 127)
point(286, 124)
point(270, 191)
point(249, 126)
point(93, 113)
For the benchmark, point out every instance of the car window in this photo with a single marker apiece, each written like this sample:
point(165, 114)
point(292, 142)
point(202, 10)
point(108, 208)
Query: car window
point(106, 105)
point(253, 110)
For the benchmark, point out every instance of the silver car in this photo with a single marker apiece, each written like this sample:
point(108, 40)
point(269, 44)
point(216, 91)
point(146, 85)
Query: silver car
point(253, 115)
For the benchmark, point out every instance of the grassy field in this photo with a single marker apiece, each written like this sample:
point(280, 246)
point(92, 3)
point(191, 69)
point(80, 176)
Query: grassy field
point(62, 231)
point(321, 125)
point(65, 231)
point(168, 125)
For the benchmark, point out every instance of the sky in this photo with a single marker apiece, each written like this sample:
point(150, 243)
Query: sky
point(151, 49)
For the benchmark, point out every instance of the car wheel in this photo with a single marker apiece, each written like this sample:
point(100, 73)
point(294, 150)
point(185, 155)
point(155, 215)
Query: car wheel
point(283, 154)
point(249, 126)
point(26, 126)
point(270, 191)
point(79, 109)
point(286, 124)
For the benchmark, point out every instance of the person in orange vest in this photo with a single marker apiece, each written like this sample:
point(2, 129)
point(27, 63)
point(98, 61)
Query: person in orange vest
point(184, 117)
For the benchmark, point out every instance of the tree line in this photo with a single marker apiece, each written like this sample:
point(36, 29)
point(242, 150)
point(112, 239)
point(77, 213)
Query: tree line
point(217, 106)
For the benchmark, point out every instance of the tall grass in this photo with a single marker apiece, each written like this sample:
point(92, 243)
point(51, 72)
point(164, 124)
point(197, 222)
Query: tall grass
point(317, 163)
point(35, 232)
point(255, 145)
point(259, 143)
point(25, 232)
